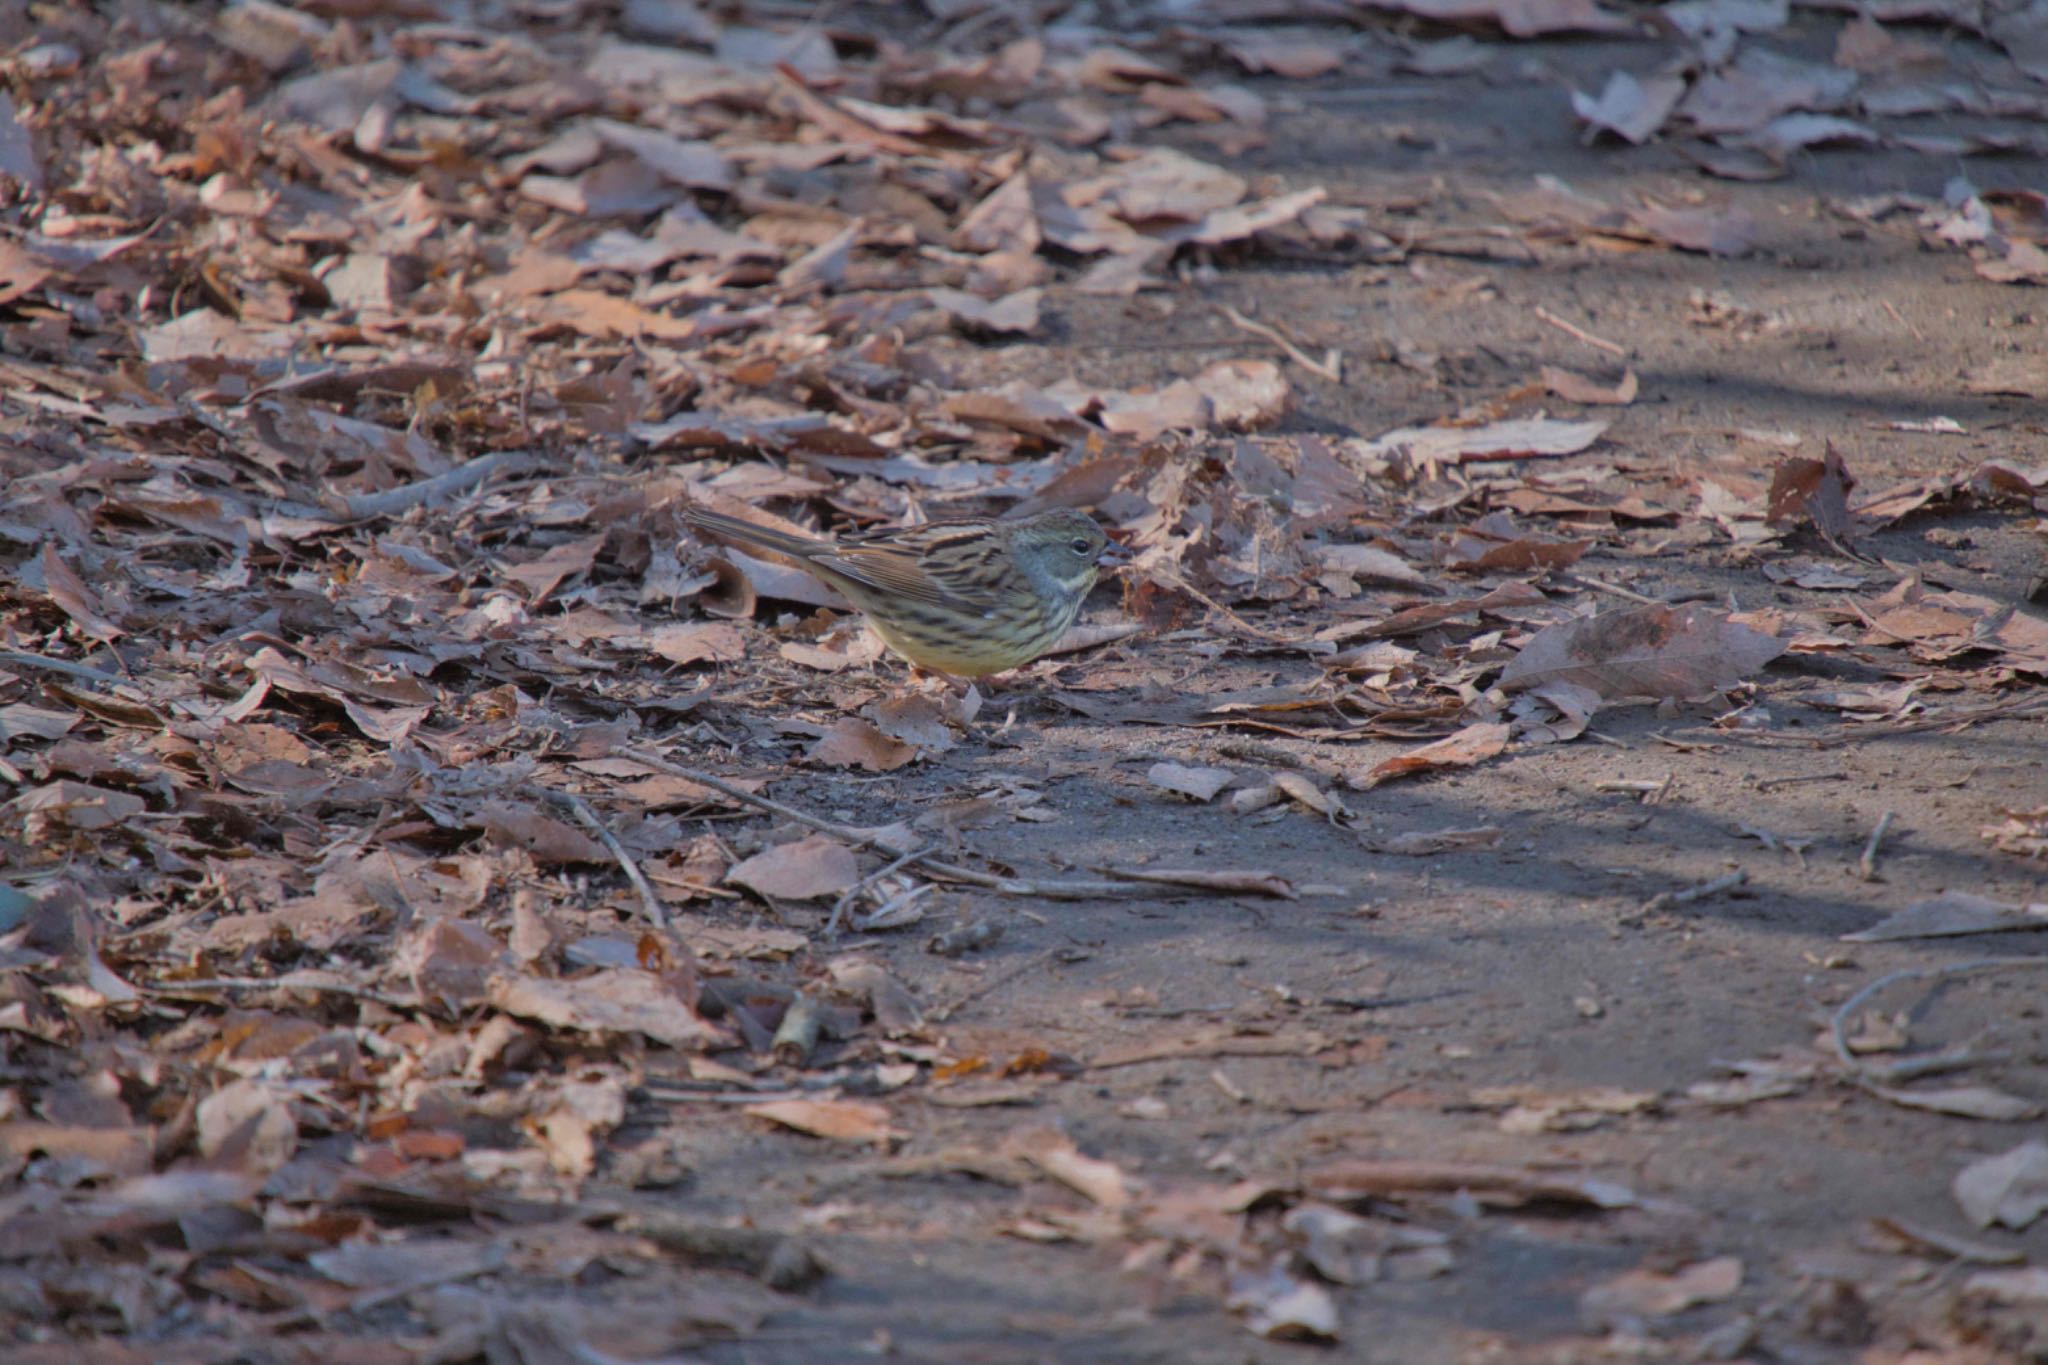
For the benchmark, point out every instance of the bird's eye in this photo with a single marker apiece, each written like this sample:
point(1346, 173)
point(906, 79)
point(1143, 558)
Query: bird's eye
point(1079, 546)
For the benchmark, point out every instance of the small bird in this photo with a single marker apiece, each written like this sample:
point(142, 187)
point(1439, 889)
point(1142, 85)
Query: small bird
point(969, 597)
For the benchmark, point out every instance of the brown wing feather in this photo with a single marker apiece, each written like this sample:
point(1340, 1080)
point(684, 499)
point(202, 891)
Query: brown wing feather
point(750, 533)
point(903, 564)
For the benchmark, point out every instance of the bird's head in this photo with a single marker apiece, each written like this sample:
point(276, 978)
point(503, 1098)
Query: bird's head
point(1066, 547)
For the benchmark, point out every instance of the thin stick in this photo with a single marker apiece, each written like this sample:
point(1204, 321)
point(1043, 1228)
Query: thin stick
point(1175, 580)
point(1574, 580)
point(1572, 330)
point(462, 478)
point(1770, 783)
point(1902, 320)
point(859, 888)
point(872, 921)
point(942, 1013)
point(1866, 866)
point(1663, 900)
point(1838, 1026)
point(275, 983)
point(1332, 372)
point(1009, 886)
point(650, 903)
point(2027, 704)
point(14, 658)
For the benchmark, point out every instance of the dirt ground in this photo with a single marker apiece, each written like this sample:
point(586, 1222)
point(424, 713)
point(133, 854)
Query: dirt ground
point(1133, 1124)
point(1524, 965)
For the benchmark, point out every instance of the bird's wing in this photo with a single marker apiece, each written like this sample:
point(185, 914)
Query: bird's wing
point(753, 533)
point(942, 566)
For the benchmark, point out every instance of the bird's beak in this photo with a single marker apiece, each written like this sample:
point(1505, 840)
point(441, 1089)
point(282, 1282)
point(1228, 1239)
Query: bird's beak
point(1114, 556)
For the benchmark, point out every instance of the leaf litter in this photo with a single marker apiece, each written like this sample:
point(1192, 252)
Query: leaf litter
point(357, 370)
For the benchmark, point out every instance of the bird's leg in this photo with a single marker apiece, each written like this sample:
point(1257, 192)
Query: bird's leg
point(922, 677)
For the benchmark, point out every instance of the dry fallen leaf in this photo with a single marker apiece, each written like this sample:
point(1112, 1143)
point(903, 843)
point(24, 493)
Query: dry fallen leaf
point(1965, 1101)
point(1427, 843)
point(856, 743)
point(613, 1001)
point(74, 598)
point(2024, 833)
point(1508, 1186)
point(2010, 1188)
point(1644, 652)
point(1200, 783)
point(1630, 109)
point(839, 1120)
point(1815, 491)
point(1652, 1294)
point(1953, 913)
point(1054, 1153)
point(1282, 1307)
point(1473, 744)
point(814, 866)
point(546, 838)
point(1577, 388)
point(1524, 438)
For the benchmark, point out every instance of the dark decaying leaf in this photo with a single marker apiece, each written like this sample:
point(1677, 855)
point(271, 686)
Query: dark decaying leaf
point(76, 600)
point(1816, 491)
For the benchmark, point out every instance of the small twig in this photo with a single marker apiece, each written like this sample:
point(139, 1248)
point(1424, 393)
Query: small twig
point(699, 888)
point(1575, 580)
point(1573, 330)
point(462, 478)
point(1768, 783)
point(796, 1037)
point(860, 838)
point(1664, 900)
point(201, 985)
point(1253, 751)
point(861, 887)
point(16, 659)
point(1866, 866)
point(1175, 580)
point(883, 915)
point(1901, 319)
point(2028, 704)
point(1331, 371)
point(1651, 792)
point(1838, 1025)
point(942, 1013)
point(650, 902)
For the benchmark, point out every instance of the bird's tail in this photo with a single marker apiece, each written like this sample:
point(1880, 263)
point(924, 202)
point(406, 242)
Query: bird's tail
point(748, 533)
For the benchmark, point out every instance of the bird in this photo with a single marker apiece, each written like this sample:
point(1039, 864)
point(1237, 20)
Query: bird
point(968, 597)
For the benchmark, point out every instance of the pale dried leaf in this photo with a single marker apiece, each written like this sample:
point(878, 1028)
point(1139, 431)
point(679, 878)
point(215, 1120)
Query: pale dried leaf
point(1202, 784)
point(1474, 744)
point(613, 1001)
point(807, 869)
point(856, 743)
point(838, 1120)
point(1644, 652)
point(2010, 1188)
point(1652, 1294)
